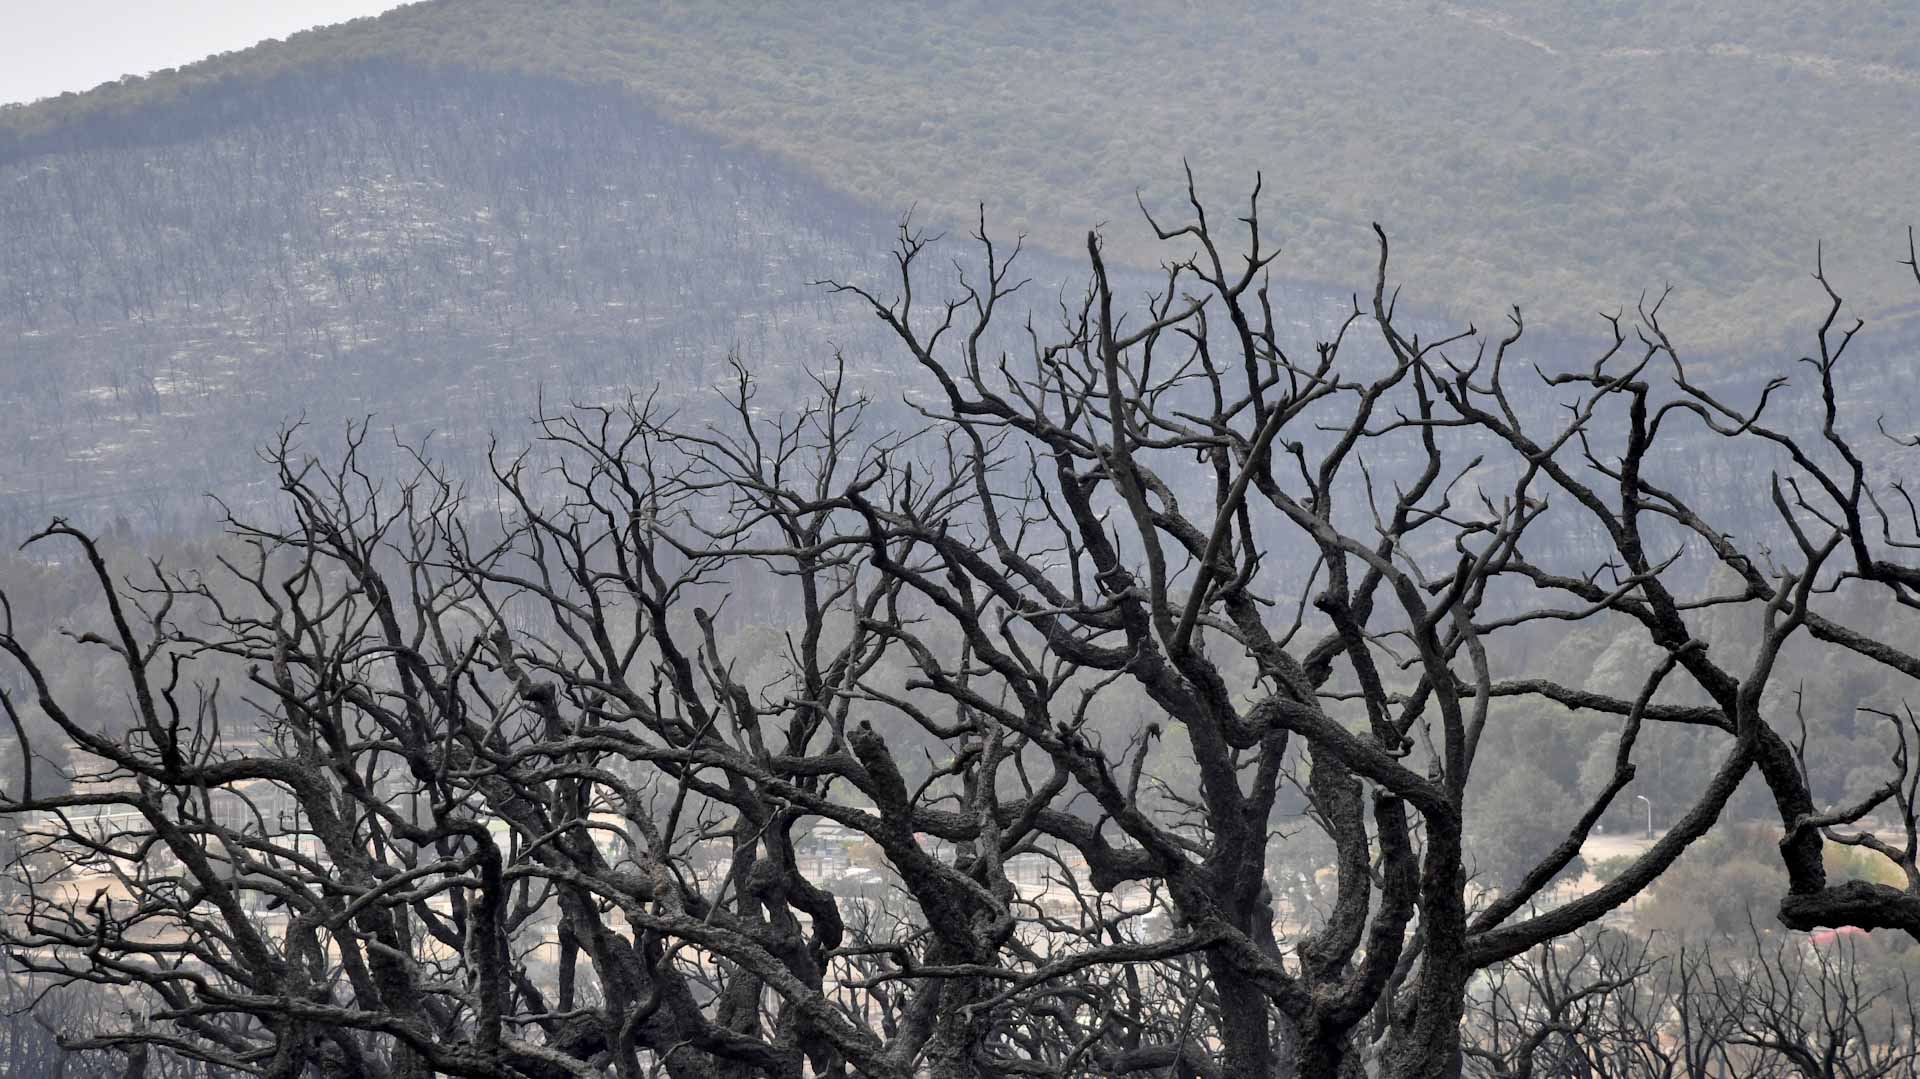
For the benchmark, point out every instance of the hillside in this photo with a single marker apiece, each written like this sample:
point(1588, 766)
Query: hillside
point(439, 252)
point(1563, 157)
point(443, 250)
point(436, 254)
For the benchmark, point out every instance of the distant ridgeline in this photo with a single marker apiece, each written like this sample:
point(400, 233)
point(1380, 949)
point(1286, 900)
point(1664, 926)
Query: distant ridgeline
point(442, 249)
point(1559, 156)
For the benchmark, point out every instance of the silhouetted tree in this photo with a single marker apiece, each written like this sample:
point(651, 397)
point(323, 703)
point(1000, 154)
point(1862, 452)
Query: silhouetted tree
point(523, 780)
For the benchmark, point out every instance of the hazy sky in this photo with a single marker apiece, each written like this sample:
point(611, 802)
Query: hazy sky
point(50, 46)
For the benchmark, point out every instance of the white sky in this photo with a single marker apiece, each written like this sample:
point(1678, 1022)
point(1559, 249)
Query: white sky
point(51, 46)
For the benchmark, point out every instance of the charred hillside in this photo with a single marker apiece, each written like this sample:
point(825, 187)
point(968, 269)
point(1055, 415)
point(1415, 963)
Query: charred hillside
point(435, 250)
point(438, 250)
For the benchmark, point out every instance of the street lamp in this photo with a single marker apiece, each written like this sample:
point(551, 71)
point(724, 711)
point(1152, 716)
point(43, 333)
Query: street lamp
point(1644, 798)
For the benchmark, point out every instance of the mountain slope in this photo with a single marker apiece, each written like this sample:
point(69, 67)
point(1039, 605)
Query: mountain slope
point(444, 252)
point(1564, 158)
point(435, 252)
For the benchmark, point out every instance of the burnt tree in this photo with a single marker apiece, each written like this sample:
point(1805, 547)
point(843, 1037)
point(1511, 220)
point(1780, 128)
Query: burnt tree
point(529, 780)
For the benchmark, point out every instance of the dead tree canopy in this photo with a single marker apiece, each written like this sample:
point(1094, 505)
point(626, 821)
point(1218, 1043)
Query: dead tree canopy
point(1760, 1006)
point(806, 740)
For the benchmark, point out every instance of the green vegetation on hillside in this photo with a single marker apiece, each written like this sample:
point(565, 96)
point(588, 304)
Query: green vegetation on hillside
point(1563, 160)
